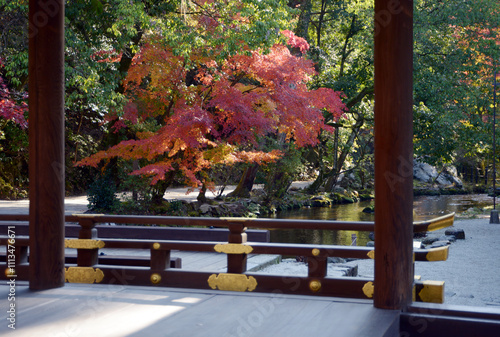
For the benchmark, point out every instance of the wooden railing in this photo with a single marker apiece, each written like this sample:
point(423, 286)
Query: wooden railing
point(160, 269)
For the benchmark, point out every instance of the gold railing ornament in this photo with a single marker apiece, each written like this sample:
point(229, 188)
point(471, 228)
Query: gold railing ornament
point(371, 254)
point(232, 282)
point(315, 286)
point(315, 252)
point(83, 243)
point(83, 275)
point(368, 289)
point(10, 272)
point(155, 278)
point(233, 248)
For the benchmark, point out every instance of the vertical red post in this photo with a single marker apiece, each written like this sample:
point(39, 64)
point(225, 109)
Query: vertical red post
point(87, 257)
point(393, 153)
point(237, 263)
point(46, 139)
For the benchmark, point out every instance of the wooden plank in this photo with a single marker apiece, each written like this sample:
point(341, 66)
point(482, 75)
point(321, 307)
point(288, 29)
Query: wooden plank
point(164, 244)
point(145, 232)
point(176, 233)
point(393, 58)
point(311, 250)
point(20, 241)
point(46, 143)
point(426, 255)
point(225, 222)
point(280, 316)
point(432, 254)
point(336, 287)
point(257, 247)
point(118, 260)
point(106, 310)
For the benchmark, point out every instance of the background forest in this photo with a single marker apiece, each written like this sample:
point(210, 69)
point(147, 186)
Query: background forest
point(208, 93)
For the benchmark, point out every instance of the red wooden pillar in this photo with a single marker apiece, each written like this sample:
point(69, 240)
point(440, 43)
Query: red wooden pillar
point(393, 153)
point(46, 139)
point(237, 263)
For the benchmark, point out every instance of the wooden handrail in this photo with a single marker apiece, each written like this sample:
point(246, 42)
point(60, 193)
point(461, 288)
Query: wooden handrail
point(369, 226)
point(434, 224)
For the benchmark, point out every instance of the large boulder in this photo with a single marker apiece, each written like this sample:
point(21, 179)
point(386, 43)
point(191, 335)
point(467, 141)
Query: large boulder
point(428, 174)
point(424, 172)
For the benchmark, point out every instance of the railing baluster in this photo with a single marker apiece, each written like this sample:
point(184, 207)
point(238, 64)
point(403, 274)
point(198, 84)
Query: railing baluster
point(87, 257)
point(21, 254)
point(237, 263)
point(317, 266)
point(160, 259)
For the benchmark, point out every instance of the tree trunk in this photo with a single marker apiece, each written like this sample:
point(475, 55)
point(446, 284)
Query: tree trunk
point(161, 187)
point(320, 22)
point(332, 179)
point(304, 19)
point(314, 187)
point(278, 185)
point(202, 195)
point(135, 193)
point(246, 182)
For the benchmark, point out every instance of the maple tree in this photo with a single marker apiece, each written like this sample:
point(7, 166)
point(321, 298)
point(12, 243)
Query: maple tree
point(186, 119)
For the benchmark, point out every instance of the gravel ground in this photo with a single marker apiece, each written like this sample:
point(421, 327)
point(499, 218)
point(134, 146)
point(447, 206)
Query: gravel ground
point(471, 273)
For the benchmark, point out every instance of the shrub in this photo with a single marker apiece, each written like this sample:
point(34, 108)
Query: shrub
point(102, 194)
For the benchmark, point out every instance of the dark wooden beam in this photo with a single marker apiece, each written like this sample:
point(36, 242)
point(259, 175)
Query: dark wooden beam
point(456, 323)
point(393, 153)
point(46, 143)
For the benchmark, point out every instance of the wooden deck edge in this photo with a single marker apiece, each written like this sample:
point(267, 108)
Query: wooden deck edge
point(465, 311)
point(428, 325)
point(429, 320)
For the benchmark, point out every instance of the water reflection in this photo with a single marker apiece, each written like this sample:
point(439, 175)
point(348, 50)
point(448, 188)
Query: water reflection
point(346, 212)
point(429, 206)
point(425, 207)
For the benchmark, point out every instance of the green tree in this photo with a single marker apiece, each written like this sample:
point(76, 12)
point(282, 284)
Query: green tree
point(92, 87)
point(340, 34)
point(456, 45)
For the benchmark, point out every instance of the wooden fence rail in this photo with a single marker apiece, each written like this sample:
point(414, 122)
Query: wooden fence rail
point(160, 269)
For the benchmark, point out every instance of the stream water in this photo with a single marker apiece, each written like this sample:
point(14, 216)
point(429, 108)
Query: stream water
point(425, 207)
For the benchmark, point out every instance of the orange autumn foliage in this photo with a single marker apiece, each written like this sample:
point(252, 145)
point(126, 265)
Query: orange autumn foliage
point(210, 113)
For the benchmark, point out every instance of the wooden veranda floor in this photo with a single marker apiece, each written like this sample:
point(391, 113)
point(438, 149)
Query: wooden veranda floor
point(116, 310)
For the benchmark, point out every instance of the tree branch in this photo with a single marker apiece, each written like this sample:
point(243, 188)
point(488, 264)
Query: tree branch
point(359, 97)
